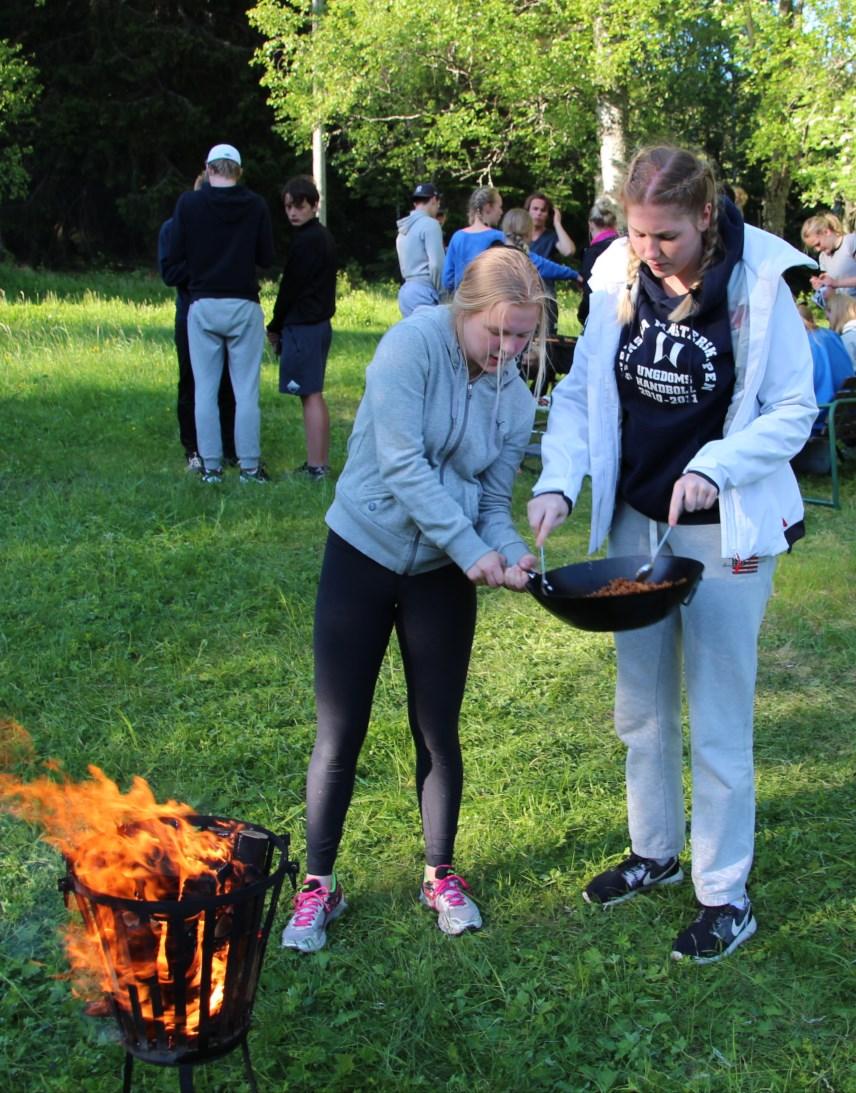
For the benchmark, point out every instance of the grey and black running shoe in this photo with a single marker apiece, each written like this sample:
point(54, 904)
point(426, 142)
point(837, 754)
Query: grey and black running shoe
point(715, 933)
point(257, 474)
point(630, 877)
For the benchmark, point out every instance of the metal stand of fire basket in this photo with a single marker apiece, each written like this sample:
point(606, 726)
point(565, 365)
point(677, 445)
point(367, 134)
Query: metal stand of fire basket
point(183, 972)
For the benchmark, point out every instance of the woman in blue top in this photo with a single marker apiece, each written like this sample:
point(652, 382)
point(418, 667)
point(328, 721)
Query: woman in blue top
point(485, 212)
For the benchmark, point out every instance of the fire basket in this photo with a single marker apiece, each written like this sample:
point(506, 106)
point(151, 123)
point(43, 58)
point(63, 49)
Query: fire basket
point(181, 970)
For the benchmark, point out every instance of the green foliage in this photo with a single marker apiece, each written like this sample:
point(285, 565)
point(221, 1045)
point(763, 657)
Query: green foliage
point(157, 627)
point(19, 92)
point(799, 95)
point(458, 92)
point(134, 96)
point(478, 89)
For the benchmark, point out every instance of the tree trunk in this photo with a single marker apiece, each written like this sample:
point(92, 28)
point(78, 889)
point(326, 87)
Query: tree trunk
point(776, 190)
point(613, 145)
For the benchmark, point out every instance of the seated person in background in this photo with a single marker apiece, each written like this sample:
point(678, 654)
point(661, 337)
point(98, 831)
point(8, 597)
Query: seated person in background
point(836, 254)
point(841, 313)
point(602, 225)
point(832, 367)
point(517, 230)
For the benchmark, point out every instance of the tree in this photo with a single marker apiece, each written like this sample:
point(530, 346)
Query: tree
point(134, 95)
point(19, 92)
point(497, 90)
point(798, 65)
point(460, 92)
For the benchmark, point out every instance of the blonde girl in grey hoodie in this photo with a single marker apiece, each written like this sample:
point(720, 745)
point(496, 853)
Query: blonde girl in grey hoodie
point(422, 515)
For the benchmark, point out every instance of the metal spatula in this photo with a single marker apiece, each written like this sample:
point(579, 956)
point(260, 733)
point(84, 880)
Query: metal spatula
point(546, 587)
point(645, 571)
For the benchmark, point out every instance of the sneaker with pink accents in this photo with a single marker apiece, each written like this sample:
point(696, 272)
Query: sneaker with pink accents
point(315, 906)
point(446, 895)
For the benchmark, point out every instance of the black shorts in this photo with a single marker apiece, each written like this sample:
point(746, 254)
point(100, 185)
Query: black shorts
point(303, 357)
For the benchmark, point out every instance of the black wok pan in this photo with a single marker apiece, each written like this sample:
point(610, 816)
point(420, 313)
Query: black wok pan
point(567, 590)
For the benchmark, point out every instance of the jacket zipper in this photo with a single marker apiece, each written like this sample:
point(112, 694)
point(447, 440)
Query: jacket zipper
point(449, 453)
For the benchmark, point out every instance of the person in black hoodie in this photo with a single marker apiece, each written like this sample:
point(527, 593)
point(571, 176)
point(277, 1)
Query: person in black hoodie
point(300, 330)
point(220, 234)
point(186, 402)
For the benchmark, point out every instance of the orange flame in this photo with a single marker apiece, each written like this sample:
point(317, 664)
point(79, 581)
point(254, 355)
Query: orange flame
point(130, 846)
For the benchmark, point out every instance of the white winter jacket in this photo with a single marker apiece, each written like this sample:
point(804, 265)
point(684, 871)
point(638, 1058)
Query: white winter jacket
point(768, 421)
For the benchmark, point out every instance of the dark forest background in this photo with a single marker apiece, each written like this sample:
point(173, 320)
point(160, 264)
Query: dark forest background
point(132, 97)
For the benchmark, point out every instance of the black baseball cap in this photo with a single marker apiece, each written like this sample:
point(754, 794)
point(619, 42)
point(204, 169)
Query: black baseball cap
point(426, 190)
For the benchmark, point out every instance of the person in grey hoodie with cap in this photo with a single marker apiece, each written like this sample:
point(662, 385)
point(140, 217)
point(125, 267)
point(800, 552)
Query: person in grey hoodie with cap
point(420, 251)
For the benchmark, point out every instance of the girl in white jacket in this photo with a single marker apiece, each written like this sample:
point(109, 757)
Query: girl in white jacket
point(691, 390)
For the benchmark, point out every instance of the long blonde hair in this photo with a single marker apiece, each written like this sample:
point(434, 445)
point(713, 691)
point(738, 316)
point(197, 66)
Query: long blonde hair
point(664, 174)
point(840, 309)
point(503, 275)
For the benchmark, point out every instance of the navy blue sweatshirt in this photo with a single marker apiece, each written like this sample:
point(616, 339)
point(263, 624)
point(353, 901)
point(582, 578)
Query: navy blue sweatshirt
point(219, 235)
point(675, 381)
point(307, 291)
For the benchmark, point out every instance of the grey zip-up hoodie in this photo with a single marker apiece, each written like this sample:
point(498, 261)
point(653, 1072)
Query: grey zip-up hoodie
point(433, 456)
point(419, 245)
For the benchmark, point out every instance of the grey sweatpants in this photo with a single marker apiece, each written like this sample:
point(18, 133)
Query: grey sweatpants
point(413, 294)
point(715, 639)
point(213, 326)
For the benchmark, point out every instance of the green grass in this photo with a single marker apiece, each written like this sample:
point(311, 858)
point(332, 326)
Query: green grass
point(152, 626)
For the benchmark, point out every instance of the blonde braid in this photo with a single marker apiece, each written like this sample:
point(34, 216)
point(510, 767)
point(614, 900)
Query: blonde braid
point(627, 301)
point(690, 303)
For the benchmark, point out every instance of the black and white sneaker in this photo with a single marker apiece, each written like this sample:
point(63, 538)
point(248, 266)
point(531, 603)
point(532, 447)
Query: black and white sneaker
point(715, 933)
point(319, 472)
point(257, 474)
point(630, 877)
point(213, 476)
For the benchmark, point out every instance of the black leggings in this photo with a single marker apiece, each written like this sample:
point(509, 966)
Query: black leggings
point(359, 602)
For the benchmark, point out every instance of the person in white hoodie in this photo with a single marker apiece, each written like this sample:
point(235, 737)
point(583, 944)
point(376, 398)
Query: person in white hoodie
point(419, 246)
point(691, 391)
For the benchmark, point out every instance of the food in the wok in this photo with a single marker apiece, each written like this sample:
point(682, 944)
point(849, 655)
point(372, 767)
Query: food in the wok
point(624, 586)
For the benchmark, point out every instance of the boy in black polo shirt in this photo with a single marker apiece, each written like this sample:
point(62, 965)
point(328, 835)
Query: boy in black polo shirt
point(300, 330)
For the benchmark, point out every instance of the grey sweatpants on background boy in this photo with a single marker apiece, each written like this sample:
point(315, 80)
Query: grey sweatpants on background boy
point(717, 638)
point(413, 294)
point(212, 326)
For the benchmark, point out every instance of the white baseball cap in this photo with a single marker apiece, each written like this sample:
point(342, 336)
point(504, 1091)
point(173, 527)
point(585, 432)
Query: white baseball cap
point(224, 151)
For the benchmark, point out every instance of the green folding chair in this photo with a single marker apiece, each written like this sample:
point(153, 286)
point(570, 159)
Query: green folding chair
point(839, 430)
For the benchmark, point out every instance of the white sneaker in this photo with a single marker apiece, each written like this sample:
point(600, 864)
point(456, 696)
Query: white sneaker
point(446, 895)
point(194, 464)
point(314, 907)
